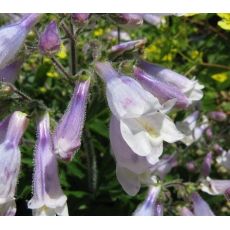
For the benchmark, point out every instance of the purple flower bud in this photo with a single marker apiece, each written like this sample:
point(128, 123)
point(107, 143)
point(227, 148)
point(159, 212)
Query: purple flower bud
point(163, 91)
point(50, 42)
point(48, 197)
point(206, 166)
point(190, 166)
point(218, 116)
point(119, 49)
point(67, 136)
point(149, 206)
point(13, 37)
point(208, 133)
point(191, 88)
point(218, 149)
point(200, 207)
point(186, 212)
point(159, 210)
point(128, 20)
point(11, 71)
point(164, 166)
point(80, 17)
point(11, 131)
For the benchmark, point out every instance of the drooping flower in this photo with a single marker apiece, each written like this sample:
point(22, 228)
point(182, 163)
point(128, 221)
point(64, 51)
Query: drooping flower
point(143, 124)
point(121, 48)
point(154, 19)
point(11, 71)
point(50, 41)
point(163, 91)
point(215, 187)
point(191, 88)
point(80, 17)
point(11, 131)
point(12, 38)
point(224, 159)
point(200, 206)
point(48, 197)
point(127, 19)
point(217, 116)
point(67, 136)
point(206, 166)
point(150, 207)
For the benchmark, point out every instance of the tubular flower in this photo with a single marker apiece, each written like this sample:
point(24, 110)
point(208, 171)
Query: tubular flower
point(217, 116)
point(48, 197)
point(206, 166)
point(215, 187)
point(67, 136)
point(49, 41)
point(200, 207)
point(80, 17)
point(163, 91)
point(12, 38)
point(191, 88)
point(127, 20)
point(119, 49)
point(11, 71)
point(154, 19)
point(132, 170)
point(143, 124)
point(150, 207)
point(11, 131)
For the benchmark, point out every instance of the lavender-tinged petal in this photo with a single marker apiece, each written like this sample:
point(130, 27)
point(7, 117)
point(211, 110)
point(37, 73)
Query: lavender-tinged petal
point(206, 166)
point(67, 136)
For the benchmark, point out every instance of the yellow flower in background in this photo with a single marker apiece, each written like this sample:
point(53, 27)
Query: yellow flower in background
point(220, 77)
point(168, 57)
point(62, 54)
point(52, 74)
point(224, 23)
point(42, 90)
point(98, 32)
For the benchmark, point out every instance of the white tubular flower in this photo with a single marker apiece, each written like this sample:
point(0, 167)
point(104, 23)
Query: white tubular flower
point(143, 124)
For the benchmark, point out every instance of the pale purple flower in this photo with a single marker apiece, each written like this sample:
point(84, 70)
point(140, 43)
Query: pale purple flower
point(12, 38)
point(200, 206)
point(217, 116)
point(80, 17)
point(150, 207)
point(67, 135)
point(163, 91)
point(11, 71)
point(154, 19)
point(224, 159)
point(215, 187)
point(48, 197)
point(121, 48)
point(186, 212)
point(143, 122)
point(191, 88)
point(208, 133)
point(218, 149)
point(190, 166)
point(127, 19)
point(11, 131)
point(50, 41)
point(206, 166)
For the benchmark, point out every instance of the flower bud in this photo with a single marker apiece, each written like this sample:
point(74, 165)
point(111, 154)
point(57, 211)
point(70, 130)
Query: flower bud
point(200, 207)
point(149, 206)
point(154, 19)
point(217, 116)
point(11, 71)
point(49, 41)
point(206, 166)
point(12, 38)
point(80, 17)
point(191, 88)
point(48, 197)
point(218, 149)
point(128, 20)
point(119, 49)
point(161, 90)
point(190, 166)
point(67, 135)
point(208, 133)
point(11, 131)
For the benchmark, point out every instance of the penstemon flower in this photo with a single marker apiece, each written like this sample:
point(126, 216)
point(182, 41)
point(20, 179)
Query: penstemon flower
point(154, 19)
point(150, 207)
point(191, 88)
point(217, 116)
point(80, 17)
point(50, 41)
point(143, 122)
point(48, 197)
point(11, 131)
point(11, 71)
point(67, 136)
point(163, 91)
point(127, 19)
point(206, 166)
point(12, 38)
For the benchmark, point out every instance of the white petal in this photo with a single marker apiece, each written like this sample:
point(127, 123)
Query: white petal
point(153, 158)
point(129, 181)
point(168, 105)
